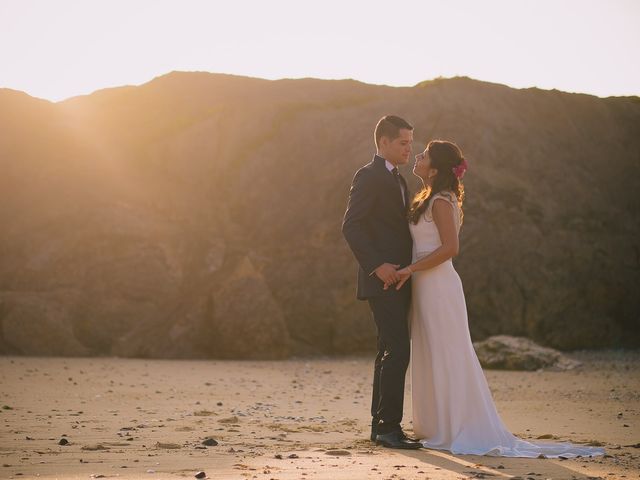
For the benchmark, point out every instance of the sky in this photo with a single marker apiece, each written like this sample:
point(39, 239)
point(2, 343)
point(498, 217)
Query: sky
point(55, 49)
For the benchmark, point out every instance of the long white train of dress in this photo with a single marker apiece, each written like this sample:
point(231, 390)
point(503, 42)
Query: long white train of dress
point(452, 405)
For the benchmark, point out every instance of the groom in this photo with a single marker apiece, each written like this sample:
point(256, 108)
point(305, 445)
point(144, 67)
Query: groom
point(376, 228)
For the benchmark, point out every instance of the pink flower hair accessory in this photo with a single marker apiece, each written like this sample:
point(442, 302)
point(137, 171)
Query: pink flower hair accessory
point(459, 170)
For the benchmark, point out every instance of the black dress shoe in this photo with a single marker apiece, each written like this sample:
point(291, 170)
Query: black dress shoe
point(397, 439)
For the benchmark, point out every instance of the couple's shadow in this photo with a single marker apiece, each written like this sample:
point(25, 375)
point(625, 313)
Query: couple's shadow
point(478, 466)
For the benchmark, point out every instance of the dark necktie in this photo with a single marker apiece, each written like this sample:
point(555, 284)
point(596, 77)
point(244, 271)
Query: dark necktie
point(396, 175)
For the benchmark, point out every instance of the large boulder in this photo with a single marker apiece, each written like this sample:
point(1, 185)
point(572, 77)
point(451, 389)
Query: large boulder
point(503, 352)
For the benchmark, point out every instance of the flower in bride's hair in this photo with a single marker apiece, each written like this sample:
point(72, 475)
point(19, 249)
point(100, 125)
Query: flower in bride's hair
point(459, 169)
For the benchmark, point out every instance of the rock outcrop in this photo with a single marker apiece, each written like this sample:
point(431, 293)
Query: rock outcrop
point(199, 215)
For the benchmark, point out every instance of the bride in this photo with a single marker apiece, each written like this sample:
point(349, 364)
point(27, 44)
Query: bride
point(452, 405)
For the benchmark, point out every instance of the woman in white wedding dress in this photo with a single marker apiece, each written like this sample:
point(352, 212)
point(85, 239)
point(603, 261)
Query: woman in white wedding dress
point(452, 405)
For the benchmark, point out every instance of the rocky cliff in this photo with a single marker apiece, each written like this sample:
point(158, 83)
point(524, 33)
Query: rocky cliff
point(199, 215)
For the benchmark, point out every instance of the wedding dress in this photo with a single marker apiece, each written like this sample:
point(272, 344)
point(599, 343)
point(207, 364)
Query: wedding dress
point(452, 405)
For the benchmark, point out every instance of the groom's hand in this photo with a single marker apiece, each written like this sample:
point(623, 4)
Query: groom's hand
point(388, 273)
point(404, 274)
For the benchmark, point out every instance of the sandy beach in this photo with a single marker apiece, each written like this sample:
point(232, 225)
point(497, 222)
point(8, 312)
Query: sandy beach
point(297, 419)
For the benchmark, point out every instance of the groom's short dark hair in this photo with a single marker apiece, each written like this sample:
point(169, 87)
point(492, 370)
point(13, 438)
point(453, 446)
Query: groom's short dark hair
point(389, 126)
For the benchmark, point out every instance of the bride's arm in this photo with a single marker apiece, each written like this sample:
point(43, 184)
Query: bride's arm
point(444, 220)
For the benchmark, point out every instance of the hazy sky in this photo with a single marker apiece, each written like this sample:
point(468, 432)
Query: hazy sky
point(55, 49)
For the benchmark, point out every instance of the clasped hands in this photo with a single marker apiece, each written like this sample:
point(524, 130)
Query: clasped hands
point(392, 274)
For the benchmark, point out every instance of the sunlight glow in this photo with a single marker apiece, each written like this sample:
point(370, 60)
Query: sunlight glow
point(64, 48)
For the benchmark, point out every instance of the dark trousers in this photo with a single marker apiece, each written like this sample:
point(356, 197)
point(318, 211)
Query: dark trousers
point(390, 312)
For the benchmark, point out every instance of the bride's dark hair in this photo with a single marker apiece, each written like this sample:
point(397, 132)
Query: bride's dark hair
point(444, 156)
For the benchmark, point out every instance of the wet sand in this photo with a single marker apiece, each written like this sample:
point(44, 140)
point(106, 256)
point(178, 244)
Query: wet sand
point(297, 419)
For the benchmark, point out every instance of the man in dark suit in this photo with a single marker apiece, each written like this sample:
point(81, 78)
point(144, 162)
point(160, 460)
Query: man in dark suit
point(376, 228)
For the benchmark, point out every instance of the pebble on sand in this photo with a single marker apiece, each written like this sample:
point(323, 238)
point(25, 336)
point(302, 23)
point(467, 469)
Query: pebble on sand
point(167, 445)
point(232, 419)
point(94, 447)
point(337, 452)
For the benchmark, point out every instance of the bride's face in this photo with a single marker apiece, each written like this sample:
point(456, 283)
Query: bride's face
point(423, 165)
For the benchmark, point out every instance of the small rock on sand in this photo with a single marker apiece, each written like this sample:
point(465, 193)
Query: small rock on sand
point(204, 413)
point(94, 446)
point(337, 452)
point(167, 445)
point(233, 419)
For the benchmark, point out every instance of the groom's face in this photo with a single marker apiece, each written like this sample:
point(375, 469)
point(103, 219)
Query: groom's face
point(398, 150)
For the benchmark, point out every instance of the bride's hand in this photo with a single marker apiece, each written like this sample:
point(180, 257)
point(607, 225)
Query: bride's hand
point(404, 274)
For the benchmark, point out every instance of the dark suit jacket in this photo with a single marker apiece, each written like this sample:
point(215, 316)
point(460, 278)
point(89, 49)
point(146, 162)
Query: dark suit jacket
point(375, 225)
